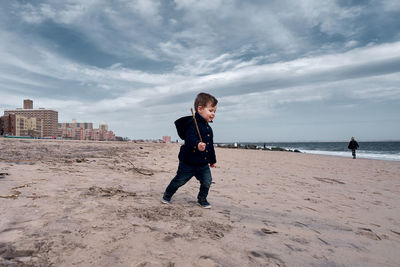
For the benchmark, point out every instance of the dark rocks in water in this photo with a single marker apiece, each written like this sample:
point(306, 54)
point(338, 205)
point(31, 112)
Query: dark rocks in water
point(254, 147)
point(228, 146)
point(278, 149)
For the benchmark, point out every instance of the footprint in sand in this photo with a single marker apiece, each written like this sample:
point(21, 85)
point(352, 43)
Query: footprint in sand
point(227, 213)
point(262, 258)
point(206, 261)
point(211, 229)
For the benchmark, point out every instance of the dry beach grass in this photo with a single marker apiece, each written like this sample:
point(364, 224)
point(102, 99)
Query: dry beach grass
point(72, 203)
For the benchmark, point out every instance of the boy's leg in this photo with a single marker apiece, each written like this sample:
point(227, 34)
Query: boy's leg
point(203, 174)
point(183, 175)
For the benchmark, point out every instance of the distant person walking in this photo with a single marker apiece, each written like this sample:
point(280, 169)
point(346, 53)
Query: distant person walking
point(353, 145)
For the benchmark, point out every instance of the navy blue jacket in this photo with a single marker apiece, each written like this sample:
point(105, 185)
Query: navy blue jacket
point(189, 152)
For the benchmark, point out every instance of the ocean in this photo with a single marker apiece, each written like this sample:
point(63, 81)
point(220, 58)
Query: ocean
point(368, 150)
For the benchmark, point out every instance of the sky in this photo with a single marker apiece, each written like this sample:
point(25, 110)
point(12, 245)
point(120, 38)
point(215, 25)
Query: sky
point(283, 70)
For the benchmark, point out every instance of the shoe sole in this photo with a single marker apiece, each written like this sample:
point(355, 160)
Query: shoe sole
point(206, 207)
point(165, 202)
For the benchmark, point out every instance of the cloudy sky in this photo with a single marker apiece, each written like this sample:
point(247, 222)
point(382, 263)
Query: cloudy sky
point(283, 70)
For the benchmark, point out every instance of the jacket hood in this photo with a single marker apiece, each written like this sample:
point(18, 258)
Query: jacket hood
point(183, 123)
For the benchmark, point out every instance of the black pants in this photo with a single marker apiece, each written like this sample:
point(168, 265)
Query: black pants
point(353, 152)
point(185, 173)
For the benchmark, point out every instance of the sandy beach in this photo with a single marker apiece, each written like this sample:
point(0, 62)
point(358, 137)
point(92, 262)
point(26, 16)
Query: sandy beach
point(72, 203)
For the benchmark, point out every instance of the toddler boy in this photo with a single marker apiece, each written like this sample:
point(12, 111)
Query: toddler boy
point(197, 154)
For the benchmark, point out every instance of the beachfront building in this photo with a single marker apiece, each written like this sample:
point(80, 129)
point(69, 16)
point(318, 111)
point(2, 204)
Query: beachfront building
point(48, 117)
point(103, 126)
point(166, 139)
point(8, 124)
point(84, 131)
point(74, 124)
point(17, 125)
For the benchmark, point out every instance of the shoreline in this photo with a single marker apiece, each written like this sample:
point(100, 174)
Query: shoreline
point(344, 153)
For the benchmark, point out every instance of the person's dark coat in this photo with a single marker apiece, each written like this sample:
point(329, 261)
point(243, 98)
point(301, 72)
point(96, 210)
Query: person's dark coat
point(189, 153)
point(353, 145)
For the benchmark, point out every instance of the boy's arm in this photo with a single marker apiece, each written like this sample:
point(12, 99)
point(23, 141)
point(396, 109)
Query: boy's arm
point(213, 158)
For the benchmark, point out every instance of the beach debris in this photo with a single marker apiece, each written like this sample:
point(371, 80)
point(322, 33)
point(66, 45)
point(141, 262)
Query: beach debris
point(268, 232)
point(368, 233)
point(328, 180)
point(135, 168)
point(323, 241)
point(34, 196)
point(22, 186)
point(292, 248)
point(13, 195)
point(3, 174)
point(297, 223)
point(395, 232)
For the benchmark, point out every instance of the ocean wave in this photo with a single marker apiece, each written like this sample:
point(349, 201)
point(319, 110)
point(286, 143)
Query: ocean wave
point(360, 154)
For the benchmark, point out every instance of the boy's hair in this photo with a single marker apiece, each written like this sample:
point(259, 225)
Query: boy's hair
point(203, 99)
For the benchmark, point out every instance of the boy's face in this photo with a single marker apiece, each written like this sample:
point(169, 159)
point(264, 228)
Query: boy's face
point(207, 112)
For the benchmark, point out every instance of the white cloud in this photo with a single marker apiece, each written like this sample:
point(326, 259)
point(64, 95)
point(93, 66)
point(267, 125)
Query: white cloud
point(147, 9)
point(65, 12)
point(390, 5)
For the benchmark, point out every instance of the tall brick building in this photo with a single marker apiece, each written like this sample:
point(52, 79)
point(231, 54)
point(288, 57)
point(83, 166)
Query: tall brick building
point(48, 117)
point(18, 125)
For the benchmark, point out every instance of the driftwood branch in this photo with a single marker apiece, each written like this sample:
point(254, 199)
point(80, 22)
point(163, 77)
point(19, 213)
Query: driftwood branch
point(135, 168)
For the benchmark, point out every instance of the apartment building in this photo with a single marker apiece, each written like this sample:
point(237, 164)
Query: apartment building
point(84, 131)
point(74, 124)
point(8, 124)
point(18, 125)
point(48, 117)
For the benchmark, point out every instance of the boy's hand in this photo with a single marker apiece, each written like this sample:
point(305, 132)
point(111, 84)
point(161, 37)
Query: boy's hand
point(213, 165)
point(201, 146)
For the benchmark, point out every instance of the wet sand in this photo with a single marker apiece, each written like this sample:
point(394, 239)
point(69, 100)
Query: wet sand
point(73, 203)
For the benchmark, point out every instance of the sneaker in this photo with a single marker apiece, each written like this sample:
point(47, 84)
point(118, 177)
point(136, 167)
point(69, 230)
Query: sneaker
point(204, 204)
point(165, 200)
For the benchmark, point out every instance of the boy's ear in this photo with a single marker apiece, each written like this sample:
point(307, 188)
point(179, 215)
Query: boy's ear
point(199, 108)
